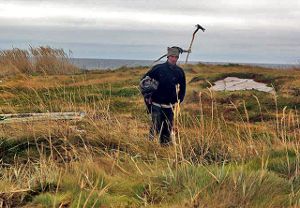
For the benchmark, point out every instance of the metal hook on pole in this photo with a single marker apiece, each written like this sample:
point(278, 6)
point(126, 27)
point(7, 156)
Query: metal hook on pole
point(198, 27)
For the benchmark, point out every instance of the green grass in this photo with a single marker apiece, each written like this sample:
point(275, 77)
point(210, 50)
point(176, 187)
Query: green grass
point(233, 149)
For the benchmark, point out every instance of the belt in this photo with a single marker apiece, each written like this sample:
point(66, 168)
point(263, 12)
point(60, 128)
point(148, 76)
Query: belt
point(163, 105)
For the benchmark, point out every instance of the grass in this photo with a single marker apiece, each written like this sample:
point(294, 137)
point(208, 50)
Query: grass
point(232, 149)
point(35, 61)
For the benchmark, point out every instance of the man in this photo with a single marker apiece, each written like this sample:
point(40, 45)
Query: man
point(161, 98)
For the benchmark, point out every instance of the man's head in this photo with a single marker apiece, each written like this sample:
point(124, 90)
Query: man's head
point(173, 55)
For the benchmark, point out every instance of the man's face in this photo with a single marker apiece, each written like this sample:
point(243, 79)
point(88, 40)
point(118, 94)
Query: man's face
point(172, 59)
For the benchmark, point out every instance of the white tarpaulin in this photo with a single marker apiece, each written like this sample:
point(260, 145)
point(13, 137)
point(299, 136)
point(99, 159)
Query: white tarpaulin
point(234, 83)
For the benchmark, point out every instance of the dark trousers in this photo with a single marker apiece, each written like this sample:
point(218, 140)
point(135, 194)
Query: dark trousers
point(162, 124)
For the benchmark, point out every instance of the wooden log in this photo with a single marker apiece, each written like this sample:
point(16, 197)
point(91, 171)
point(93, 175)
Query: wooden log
point(24, 117)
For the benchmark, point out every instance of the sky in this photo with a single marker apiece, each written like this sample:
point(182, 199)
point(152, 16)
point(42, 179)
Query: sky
point(237, 31)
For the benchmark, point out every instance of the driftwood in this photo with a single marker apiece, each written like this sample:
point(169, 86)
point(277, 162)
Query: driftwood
point(24, 117)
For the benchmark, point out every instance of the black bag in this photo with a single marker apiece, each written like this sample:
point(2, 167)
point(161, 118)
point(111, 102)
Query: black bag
point(148, 86)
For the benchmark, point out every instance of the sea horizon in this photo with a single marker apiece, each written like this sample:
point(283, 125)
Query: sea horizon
point(105, 64)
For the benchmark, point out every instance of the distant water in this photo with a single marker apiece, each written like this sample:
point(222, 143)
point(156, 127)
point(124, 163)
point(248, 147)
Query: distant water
point(84, 63)
point(99, 64)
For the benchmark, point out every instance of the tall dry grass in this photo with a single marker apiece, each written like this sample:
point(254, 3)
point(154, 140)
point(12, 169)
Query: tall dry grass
point(39, 60)
point(15, 61)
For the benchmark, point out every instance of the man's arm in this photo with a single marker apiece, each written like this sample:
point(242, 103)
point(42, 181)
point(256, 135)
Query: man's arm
point(150, 73)
point(182, 87)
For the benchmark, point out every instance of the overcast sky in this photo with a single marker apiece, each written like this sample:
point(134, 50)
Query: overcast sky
point(260, 31)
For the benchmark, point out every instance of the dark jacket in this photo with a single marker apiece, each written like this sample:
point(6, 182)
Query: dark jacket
point(168, 77)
